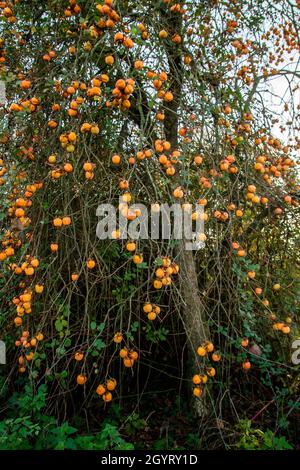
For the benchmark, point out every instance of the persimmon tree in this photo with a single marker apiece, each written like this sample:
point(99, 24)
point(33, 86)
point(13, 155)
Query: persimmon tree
point(152, 102)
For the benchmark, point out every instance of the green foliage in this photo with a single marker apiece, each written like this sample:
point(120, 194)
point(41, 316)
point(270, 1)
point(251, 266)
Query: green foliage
point(156, 335)
point(23, 433)
point(35, 430)
point(256, 439)
point(134, 424)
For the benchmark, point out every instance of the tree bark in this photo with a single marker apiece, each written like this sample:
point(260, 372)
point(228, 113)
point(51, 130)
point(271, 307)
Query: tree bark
point(195, 323)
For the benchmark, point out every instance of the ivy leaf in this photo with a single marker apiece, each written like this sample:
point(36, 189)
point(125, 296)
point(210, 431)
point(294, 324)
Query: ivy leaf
point(58, 325)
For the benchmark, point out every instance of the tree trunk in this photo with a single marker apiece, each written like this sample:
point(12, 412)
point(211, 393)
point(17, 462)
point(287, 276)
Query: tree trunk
point(194, 320)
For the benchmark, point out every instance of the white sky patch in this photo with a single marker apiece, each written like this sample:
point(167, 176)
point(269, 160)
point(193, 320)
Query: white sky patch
point(282, 98)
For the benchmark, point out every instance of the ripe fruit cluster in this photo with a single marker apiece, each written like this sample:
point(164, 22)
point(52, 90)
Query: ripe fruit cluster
point(92, 128)
point(25, 105)
point(151, 310)
point(159, 82)
point(282, 326)
point(27, 347)
point(121, 93)
point(109, 17)
point(200, 379)
point(129, 357)
point(89, 167)
point(104, 390)
point(164, 273)
point(72, 9)
point(7, 11)
point(60, 222)
point(68, 141)
point(24, 301)
point(126, 41)
point(167, 158)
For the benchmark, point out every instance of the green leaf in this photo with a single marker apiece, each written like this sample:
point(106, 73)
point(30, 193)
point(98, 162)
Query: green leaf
point(58, 325)
point(99, 344)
